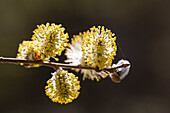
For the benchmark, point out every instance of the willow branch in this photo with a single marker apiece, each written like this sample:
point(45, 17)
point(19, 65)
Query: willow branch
point(55, 65)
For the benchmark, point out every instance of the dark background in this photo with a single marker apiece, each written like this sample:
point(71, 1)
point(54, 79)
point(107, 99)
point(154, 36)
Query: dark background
point(142, 28)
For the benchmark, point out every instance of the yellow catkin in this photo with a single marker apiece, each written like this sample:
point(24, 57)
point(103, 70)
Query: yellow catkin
point(75, 56)
point(99, 47)
point(63, 87)
point(29, 50)
point(47, 41)
point(51, 38)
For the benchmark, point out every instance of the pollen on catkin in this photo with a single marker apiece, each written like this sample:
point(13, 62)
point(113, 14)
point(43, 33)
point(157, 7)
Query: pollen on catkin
point(51, 38)
point(63, 87)
point(99, 47)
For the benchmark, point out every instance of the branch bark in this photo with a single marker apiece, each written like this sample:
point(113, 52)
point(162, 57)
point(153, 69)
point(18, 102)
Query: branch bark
point(56, 65)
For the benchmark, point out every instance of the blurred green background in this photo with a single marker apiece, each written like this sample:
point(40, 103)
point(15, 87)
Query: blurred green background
point(142, 28)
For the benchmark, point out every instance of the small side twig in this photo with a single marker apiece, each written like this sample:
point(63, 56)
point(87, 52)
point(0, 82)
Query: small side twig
point(55, 65)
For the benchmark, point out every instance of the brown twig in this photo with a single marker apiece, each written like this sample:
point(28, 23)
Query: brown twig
point(55, 65)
